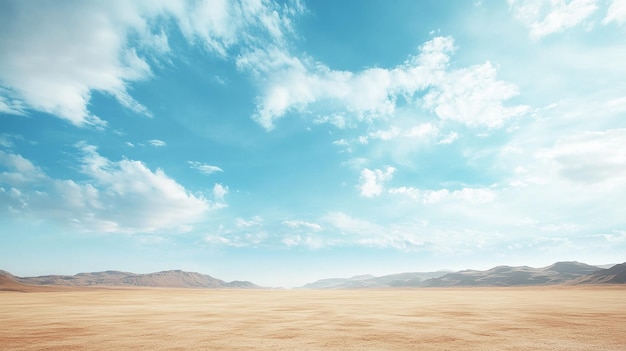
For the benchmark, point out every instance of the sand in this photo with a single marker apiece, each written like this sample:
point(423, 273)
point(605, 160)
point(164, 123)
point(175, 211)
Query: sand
point(536, 318)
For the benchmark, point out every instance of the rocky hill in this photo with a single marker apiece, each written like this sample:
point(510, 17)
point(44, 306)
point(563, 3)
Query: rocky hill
point(613, 275)
point(164, 279)
point(557, 273)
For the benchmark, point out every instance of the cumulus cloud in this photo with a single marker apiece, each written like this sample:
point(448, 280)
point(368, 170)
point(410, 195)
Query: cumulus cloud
point(19, 171)
point(117, 196)
point(299, 84)
point(220, 25)
point(473, 96)
point(372, 181)
point(219, 191)
point(54, 55)
point(547, 17)
point(204, 167)
point(616, 12)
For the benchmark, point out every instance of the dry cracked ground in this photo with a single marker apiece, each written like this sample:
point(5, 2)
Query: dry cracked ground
point(530, 318)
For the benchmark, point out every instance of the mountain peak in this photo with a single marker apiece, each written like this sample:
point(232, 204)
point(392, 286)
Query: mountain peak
point(613, 275)
point(571, 267)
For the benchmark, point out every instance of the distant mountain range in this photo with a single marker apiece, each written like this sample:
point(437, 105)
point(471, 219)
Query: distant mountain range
point(165, 279)
point(370, 281)
point(570, 273)
point(558, 273)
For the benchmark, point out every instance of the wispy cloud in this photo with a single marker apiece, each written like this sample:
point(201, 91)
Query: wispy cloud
point(204, 167)
point(296, 224)
point(157, 143)
point(547, 17)
point(429, 197)
point(616, 12)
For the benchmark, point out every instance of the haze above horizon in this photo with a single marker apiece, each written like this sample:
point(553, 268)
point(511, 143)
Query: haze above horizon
point(282, 142)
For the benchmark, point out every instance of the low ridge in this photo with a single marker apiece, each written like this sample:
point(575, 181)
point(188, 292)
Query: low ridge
point(164, 279)
point(613, 275)
point(571, 272)
point(557, 273)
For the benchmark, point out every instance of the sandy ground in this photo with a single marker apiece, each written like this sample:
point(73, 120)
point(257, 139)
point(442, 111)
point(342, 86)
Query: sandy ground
point(561, 318)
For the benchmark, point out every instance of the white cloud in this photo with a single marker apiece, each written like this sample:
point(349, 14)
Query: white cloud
point(204, 168)
point(350, 225)
point(473, 96)
point(253, 222)
point(372, 181)
point(221, 24)
point(356, 163)
point(419, 131)
point(5, 140)
point(117, 196)
point(295, 224)
point(157, 143)
point(53, 56)
point(341, 142)
point(616, 12)
point(564, 176)
point(388, 134)
point(406, 235)
point(10, 105)
point(449, 138)
point(337, 120)
point(293, 84)
point(309, 241)
point(19, 171)
point(413, 193)
point(547, 17)
point(616, 237)
point(430, 197)
point(219, 191)
point(590, 157)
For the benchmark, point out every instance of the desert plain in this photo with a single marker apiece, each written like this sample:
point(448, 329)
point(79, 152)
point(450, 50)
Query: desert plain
point(527, 318)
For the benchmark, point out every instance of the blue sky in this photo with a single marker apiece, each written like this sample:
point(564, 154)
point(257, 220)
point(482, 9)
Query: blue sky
point(283, 142)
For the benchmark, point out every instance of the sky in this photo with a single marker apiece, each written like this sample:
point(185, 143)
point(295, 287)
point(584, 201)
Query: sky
point(283, 142)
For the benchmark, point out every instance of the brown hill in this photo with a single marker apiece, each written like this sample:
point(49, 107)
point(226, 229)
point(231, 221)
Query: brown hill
point(164, 279)
point(558, 273)
point(613, 275)
point(8, 282)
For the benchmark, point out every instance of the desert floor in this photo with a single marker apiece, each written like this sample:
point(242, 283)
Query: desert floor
point(539, 318)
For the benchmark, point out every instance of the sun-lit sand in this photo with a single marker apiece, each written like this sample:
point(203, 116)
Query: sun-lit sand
point(530, 318)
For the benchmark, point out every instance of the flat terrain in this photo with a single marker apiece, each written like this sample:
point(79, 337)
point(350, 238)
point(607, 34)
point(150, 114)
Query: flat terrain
point(537, 318)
